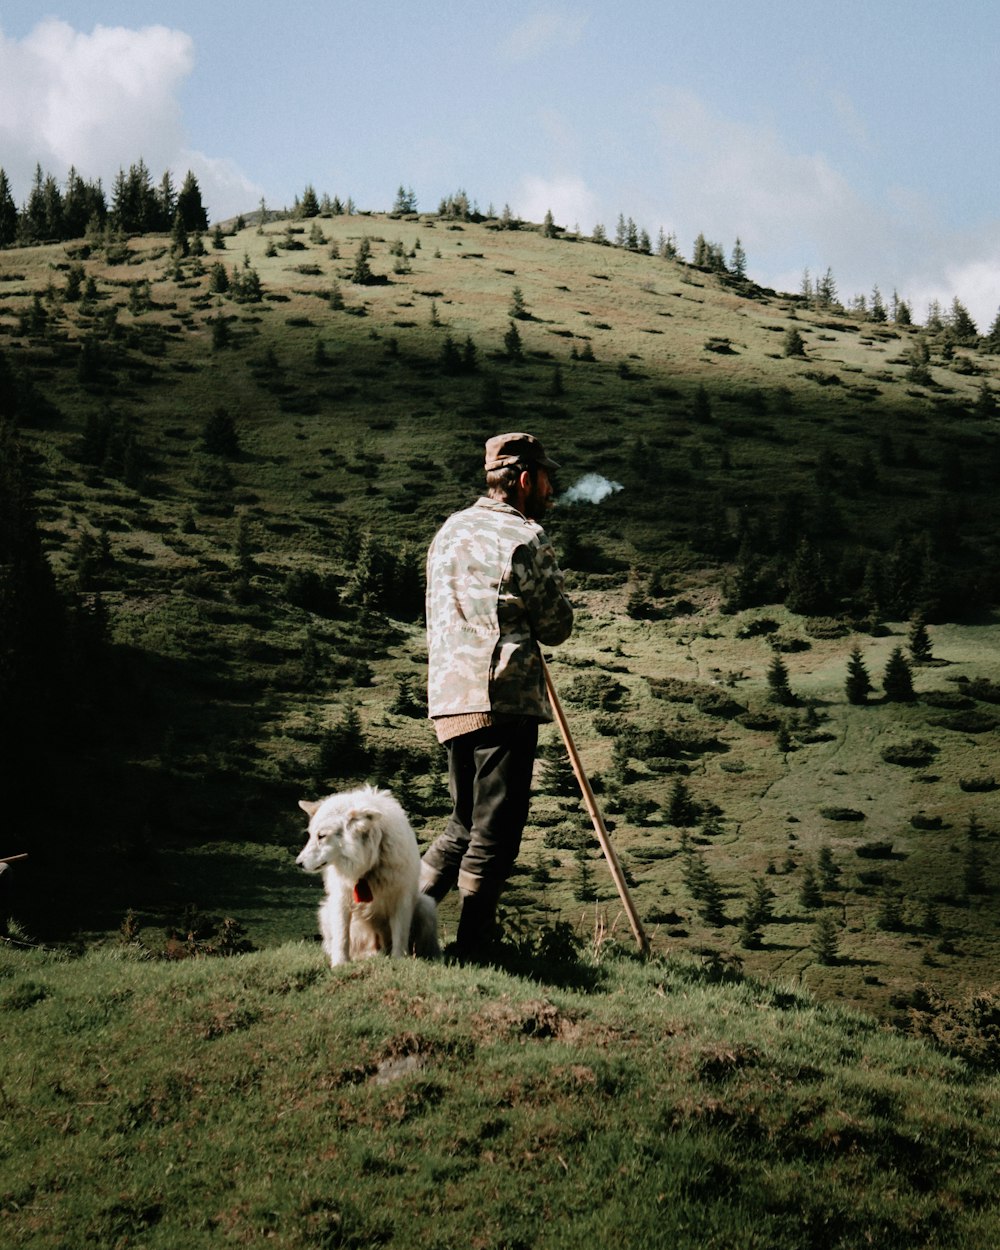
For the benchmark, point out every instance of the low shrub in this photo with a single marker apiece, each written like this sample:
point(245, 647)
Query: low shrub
point(984, 690)
point(977, 785)
point(718, 703)
point(970, 722)
point(596, 690)
point(970, 1030)
point(841, 813)
point(947, 700)
point(874, 850)
point(826, 627)
point(917, 753)
point(674, 689)
point(765, 722)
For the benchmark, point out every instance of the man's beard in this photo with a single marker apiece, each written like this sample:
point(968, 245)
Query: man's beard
point(536, 504)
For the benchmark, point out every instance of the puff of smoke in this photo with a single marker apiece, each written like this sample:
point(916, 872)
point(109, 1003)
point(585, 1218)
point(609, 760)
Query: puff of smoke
point(591, 488)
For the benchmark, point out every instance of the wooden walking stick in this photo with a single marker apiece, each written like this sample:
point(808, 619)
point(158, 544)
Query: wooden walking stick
point(595, 813)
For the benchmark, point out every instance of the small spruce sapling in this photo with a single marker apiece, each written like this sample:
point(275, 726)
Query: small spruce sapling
point(777, 681)
point(919, 642)
point(859, 684)
point(897, 681)
point(824, 941)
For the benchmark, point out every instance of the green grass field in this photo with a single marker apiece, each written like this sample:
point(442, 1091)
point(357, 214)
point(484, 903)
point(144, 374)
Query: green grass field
point(265, 1099)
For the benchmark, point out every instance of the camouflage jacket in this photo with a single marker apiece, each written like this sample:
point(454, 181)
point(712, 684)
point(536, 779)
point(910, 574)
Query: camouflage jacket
point(494, 592)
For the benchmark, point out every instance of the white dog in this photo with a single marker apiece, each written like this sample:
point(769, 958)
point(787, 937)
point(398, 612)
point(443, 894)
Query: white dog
point(363, 844)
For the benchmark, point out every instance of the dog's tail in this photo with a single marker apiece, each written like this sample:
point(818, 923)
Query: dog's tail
point(424, 929)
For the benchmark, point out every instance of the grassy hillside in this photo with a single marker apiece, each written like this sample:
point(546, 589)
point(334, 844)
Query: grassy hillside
point(264, 1098)
point(248, 478)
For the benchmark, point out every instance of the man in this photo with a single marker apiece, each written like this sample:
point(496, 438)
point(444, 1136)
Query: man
point(494, 593)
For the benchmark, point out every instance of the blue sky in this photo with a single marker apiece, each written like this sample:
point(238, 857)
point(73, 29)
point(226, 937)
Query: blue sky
point(860, 136)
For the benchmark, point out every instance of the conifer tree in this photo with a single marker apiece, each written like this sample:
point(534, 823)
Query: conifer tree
point(973, 870)
point(584, 890)
point(824, 940)
point(189, 204)
point(810, 894)
point(219, 436)
point(759, 912)
point(682, 810)
point(405, 201)
point(992, 342)
point(960, 323)
point(859, 684)
point(343, 751)
point(890, 912)
point(309, 205)
point(31, 223)
point(701, 406)
point(512, 344)
point(52, 207)
point(362, 275)
point(827, 868)
point(738, 261)
point(179, 244)
point(985, 406)
point(919, 642)
point(826, 290)
point(807, 592)
point(557, 772)
point(703, 887)
point(8, 213)
point(518, 308)
point(794, 344)
point(897, 681)
point(777, 681)
point(166, 201)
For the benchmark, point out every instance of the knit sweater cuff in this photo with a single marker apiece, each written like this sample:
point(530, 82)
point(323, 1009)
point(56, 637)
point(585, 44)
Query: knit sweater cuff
point(448, 727)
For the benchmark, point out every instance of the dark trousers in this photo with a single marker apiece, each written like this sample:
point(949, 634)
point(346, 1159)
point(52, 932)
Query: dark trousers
point(489, 776)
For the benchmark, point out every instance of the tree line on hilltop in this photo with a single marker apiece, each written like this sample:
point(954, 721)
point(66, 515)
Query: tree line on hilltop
point(54, 213)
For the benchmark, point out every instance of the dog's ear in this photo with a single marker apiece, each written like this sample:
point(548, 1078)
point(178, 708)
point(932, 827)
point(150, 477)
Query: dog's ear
point(369, 816)
point(309, 807)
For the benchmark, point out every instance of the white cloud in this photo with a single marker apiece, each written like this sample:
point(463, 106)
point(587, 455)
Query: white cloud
point(795, 210)
point(100, 102)
point(568, 199)
point(727, 177)
point(547, 31)
point(975, 282)
point(96, 101)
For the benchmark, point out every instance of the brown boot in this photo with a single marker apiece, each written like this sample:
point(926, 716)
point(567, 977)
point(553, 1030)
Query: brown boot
point(477, 928)
point(434, 883)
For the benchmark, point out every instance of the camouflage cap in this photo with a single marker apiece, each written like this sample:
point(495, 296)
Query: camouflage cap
point(505, 449)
